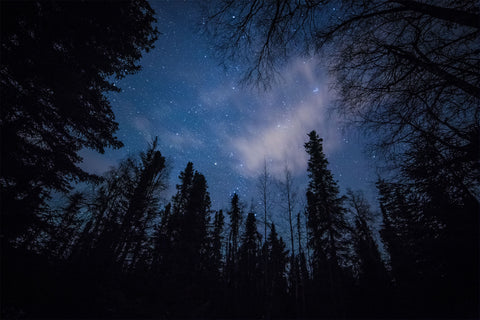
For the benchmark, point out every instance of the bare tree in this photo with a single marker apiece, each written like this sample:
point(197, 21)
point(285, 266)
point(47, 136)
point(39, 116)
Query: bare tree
point(263, 185)
point(407, 70)
point(289, 197)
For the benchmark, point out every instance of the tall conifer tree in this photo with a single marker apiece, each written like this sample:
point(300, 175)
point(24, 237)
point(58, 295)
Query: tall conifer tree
point(250, 272)
point(325, 221)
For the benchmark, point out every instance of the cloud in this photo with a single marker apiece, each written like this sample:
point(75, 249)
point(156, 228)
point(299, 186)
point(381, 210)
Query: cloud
point(219, 96)
point(182, 140)
point(143, 125)
point(287, 113)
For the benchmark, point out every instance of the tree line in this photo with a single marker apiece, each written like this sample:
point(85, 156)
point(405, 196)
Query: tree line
point(113, 250)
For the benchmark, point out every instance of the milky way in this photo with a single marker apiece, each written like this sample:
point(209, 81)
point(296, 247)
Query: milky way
point(201, 114)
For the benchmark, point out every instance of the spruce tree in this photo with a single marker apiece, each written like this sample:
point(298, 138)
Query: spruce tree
point(372, 277)
point(402, 232)
point(191, 244)
point(277, 258)
point(56, 71)
point(250, 273)
point(217, 243)
point(216, 264)
point(232, 281)
point(235, 214)
point(142, 205)
point(65, 232)
point(371, 269)
point(326, 223)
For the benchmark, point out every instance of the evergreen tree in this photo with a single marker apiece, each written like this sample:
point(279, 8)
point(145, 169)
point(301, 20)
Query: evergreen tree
point(447, 184)
point(56, 69)
point(235, 215)
point(142, 205)
point(402, 232)
point(101, 235)
point(326, 223)
point(217, 243)
point(189, 271)
point(216, 266)
point(161, 240)
point(371, 272)
point(277, 258)
point(180, 199)
point(65, 232)
point(302, 271)
point(371, 269)
point(250, 272)
point(232, 281)
point(430, 237)
point(123, 210)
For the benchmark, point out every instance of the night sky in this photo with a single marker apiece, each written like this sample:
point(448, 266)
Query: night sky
point(202, 114)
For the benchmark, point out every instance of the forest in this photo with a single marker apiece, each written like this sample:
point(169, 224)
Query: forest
point(80, 245)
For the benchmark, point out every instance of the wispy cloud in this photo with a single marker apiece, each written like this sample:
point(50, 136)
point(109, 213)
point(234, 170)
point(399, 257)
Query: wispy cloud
point(299, 104)
point(144, 125)
point(182, 140)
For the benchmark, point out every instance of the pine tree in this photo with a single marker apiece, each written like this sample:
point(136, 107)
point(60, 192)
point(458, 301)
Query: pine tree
point(101, 235)
point(191, 245)
point(161, 240)
point(56, 71)
point(232, 281)
point(431, 246)
point(142, 206)
point(302, 271)
point(402, 232)
point(373, 280)
point(65, 232)
point(446, 184)
point(216, 265)
point(250, 273)
point(371, 269)
point(326, 222)
point(277, 258)
point(235, 215)
point(217, 243)
point(122, 212)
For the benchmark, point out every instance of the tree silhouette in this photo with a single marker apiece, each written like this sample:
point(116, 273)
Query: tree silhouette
point(65, 234)
point(250, 273)
point(231, 271)
point(55, 66)
point(142, 205)
point(326, 222)
point(217, 244)
point(189, 269)
point(277, 258)
point(289, 196)
point(372, 276)
point(430, 235)
point(116, 249)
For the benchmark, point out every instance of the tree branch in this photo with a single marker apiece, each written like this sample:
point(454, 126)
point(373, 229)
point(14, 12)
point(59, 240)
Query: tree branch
point(448, 14)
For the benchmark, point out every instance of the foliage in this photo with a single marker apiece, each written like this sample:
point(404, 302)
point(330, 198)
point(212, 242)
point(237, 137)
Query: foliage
point(56, 68)
point(327, 228)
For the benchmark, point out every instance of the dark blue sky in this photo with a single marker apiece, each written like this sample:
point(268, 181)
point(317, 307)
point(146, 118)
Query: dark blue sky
point(201, 114)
